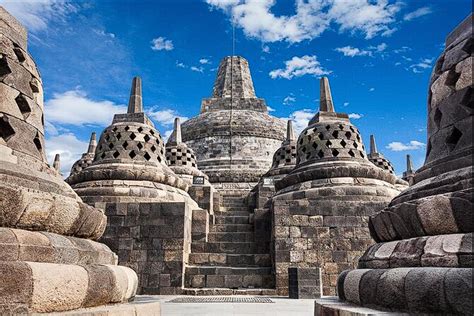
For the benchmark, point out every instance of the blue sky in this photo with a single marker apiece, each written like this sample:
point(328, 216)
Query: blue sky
point(378, 55)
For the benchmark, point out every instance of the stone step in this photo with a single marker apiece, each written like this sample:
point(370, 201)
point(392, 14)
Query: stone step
point(231, 228)
point(226, 219)
point(225, 291)
point(226, 259)
point(233, 213)
point(227, 247)
point(231, 237)
point(228, 277)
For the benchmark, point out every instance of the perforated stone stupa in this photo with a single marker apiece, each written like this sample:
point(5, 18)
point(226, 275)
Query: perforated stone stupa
point(87, 158)
point(423, 259)
point(129, 162)
point(234, 137)
point(49, 260)
point(321, 208)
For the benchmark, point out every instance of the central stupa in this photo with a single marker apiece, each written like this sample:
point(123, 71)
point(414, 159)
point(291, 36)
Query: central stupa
point(234, 137)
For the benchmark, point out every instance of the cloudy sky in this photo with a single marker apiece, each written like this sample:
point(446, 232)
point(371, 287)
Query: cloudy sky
point(378, 55)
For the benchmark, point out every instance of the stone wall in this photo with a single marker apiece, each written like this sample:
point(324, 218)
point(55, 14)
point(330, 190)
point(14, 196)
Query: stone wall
point(154, 239)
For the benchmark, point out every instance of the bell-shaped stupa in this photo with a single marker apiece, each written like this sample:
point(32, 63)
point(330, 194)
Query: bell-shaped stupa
point(322, 206)
point(49, 261)
point(234, 137)
point(422, 263)
point(87, 158)
point(130, 163)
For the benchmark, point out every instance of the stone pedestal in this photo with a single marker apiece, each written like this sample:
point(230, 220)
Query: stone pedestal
point(48, 259)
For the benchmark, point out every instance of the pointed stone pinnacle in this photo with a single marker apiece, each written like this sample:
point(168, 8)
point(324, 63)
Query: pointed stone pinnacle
point(373, 145)
point(409, 164)
point(290, 133)
point(57, 162)
point(92, 144)
point(325, 97)
point(135, 104)
point(175, 137)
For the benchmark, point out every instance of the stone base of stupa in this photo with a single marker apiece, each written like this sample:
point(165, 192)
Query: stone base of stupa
point(333, 306)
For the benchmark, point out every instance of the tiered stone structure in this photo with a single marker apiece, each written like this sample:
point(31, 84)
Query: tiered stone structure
point(49, 259)
point(321, 209)
point(87, 158)
point(234, 137)
point(150, 213)
point(423, 259)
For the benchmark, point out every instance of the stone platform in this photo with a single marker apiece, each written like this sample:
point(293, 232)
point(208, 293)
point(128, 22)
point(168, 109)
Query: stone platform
point(333, 306)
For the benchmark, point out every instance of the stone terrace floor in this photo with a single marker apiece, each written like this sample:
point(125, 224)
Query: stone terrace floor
point(151, 305)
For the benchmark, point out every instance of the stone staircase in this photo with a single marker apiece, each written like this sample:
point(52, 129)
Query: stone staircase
point(230, 262)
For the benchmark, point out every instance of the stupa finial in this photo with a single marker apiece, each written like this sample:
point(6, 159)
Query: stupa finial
point(57, 162)
point(325, 97)
point(373, 145)
point(409, 164)
point(290, 133)
point(135, 104)
point(175, 137)
point(92, 144)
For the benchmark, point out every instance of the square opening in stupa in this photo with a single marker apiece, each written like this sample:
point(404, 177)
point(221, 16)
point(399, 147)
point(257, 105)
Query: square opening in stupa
point(235, 205)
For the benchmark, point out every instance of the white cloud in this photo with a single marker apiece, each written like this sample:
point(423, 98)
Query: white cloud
point(103, 33)
point(68, 147)
point(412, 145)
point(301, 119)
point(37, 14)
point(372, 89)
point(161, 43)
point(353, 51)
point(311, 18)
point(165, 117)
point(180, 64)
point(300, 66)
point(266, 49)
point(345, 104)
point(197, 69)
point(167, 135)
point(289, 100)
point(75, 108)
point(350, 51)
point(270, 109)
point(355, 116)
point(424, 63)
point(204, 61)
point(417, 13)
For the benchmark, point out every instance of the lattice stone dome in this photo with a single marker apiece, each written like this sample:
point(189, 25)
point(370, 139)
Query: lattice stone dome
point(87, 158)
point(284, 159)
point(378, 159)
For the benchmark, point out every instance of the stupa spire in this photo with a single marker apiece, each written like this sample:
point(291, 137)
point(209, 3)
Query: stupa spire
point(175, 137)
point(233, 79)
point(409, 164)
point(290, 133)
point(325, 97)
point(373, 145)
point(57, 162)
point(135, 104)
point(92, 144)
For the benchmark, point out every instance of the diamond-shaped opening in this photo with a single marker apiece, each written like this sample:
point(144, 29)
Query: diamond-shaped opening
point(147, 156)
point(303, 149)
point(6, 130)
point(146, 138)
point(111, 145)
point(140, 129)
point(133, 136)
point(19, 53)
point(301, 141)
point(118, 136)
point(116, 154)
point(356, 145)
point(314, 145)
point(343, 143)
point(23, 105)
point(132, 154)
point(348, 135)
point(362, 154)
point(140, 146)
point(114, 129)
point(341, 127)
point(34, 85)
point(37, 142)
point(107, 137)
point(127, 128)
point(468, 47)
point(335, 152)
point(358, 137)
point(309, 138)
point(452, 78)
point(328, 143)
point(437, 117)
point(102, 156)
point(153, 148)
point(4, 68)
point(351, 153)
point(152, 132)
point(320, 154)
point(162, 152)
point(453, 138)
point(328, 127)
point(158, 158)
point(321, 136)
point(308, 156)
point(125, 145)
point(335, 134)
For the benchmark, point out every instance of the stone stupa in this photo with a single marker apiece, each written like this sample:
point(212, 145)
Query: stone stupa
point(87, 158)
point(321, 208)
point(49, 261)
point(423, 259)
point(234, 137)
point(409, 174)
